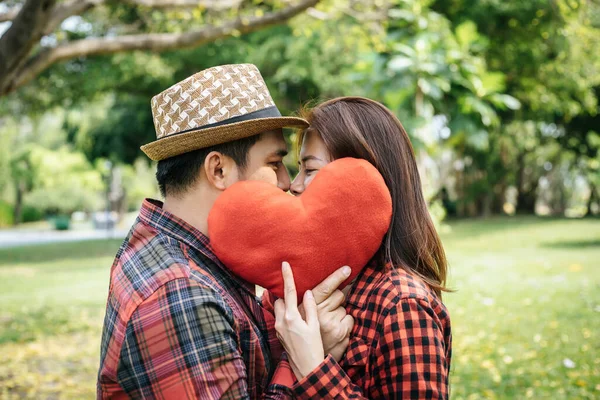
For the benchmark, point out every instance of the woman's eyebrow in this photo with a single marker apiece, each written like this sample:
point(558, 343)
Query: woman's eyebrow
point(307, 158)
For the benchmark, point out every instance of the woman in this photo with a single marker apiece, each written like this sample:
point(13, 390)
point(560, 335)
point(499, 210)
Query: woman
point(400, 346)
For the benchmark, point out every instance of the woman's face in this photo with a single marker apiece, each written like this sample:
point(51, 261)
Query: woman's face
point(313, 157)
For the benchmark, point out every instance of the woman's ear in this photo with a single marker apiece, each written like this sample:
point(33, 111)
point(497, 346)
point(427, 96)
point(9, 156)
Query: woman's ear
point(221, 171)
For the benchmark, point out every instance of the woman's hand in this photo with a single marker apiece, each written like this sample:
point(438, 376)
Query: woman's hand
point(336, 324)
point(301, 339)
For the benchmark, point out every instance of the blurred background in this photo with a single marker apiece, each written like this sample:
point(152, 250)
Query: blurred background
point(500, 98)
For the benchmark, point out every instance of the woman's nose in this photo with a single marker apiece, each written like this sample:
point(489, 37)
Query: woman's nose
point(297, 186)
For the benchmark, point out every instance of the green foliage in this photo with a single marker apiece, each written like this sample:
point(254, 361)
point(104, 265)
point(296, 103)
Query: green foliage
point(118, 135)
point(5, 173)
point(548, 52)
point(494, 85)
point(32, 214)
point(139, 183)
point(429, 69)
point(66, 183)
point(6, 214)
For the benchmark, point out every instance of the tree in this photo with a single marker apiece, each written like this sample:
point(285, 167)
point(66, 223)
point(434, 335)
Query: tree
point(38, 38)
point(66, 182)
point(301, 60)
point(549, 54)
point(433, 76)
point(24, 176)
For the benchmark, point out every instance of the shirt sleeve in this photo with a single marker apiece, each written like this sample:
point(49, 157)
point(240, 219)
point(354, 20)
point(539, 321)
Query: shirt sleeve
point(181, 343)
point(268, 309)
point(408, 361)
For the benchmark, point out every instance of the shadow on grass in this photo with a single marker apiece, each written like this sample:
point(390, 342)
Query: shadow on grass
point(59, 251)
point(572, 244)
point(473, 227)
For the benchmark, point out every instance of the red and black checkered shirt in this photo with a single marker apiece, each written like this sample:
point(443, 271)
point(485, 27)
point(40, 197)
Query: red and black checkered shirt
point(400, 346)
point(178, 325)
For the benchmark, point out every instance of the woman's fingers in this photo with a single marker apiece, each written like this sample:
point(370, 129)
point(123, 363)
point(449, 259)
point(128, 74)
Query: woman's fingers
point(291, 298)
point(301, 339)
point(310, 308)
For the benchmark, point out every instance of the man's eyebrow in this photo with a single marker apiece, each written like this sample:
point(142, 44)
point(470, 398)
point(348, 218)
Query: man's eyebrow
point(280, 153)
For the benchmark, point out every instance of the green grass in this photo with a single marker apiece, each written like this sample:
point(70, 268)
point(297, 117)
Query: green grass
point(527, 300)
point(52, 300)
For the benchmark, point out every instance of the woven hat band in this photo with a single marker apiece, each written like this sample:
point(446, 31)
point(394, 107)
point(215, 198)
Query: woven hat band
point(269, 112)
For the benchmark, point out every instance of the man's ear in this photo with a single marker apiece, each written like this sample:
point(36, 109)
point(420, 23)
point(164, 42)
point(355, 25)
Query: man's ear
point(221, 171)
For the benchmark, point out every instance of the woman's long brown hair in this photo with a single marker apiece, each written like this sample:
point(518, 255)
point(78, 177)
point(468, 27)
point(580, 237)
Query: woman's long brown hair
point(362, 128)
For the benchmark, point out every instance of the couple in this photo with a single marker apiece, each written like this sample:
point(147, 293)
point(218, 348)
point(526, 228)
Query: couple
point(180, 324)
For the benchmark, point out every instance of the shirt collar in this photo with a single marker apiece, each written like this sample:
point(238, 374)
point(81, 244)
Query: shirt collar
point(364, 280)
point(152, 214)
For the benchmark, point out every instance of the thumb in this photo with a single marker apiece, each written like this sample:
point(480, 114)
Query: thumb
point(310, 308)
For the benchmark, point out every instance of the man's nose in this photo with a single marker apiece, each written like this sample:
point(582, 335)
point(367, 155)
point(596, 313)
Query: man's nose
point(283, 179)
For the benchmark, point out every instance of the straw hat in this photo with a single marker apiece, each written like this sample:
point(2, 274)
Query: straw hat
point(214, 106)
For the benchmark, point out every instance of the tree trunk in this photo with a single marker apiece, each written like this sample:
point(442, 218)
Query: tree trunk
point(526, 197)
point(562, 200)
point(498, 201)
point(591, 199)
point(460, 194)
point(18, 210)
point(19, 40)
point(486, 205)
point(526, 201)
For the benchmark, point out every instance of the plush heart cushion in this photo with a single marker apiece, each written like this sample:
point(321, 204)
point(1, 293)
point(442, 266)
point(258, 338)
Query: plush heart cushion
point(340, 219)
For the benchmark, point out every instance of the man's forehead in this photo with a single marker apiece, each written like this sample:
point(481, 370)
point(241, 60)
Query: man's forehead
point(272, 142)
point(275, 135)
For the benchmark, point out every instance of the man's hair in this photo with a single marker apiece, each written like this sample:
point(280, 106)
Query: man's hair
point(177, 174)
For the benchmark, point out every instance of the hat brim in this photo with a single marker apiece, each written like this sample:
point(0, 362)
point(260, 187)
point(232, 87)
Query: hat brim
point(177, 144)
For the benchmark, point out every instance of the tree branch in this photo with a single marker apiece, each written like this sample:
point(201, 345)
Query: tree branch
point(75, 7)
point(20, 38)
point(156, 42)
point(9, 14)
point(211, 4)
point(65, 10)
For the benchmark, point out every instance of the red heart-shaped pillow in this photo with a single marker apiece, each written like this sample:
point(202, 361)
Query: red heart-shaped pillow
point(340, 219)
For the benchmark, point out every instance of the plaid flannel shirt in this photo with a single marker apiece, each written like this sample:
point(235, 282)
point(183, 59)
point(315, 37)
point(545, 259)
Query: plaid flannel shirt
point(177, 324)
point(400, 346)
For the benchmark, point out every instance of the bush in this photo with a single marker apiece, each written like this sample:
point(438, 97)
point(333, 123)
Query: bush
point(6, 214)
point(63, 200)
point(31, 214)
point(67, 182)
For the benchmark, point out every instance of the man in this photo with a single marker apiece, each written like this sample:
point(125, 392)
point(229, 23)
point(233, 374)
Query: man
point(178, 325)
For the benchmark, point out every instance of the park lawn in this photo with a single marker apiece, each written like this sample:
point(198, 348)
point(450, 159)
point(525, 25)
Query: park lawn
point(525, 313)
point(52, 300)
